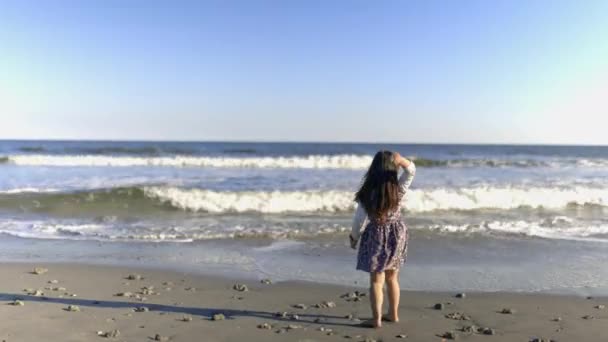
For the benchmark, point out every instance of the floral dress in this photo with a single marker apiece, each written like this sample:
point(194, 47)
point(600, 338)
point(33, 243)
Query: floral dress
point(383, 243)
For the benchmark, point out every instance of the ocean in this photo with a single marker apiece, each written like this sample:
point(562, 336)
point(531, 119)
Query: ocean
point(481, 217)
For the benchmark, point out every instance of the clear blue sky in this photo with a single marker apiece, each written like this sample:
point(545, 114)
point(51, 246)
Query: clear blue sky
point(526, 71)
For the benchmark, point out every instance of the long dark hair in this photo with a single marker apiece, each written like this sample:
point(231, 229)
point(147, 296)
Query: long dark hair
point(379, 192)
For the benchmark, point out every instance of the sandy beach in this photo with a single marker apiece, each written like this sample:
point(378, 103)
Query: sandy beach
point(72, 302)
point(209, 171)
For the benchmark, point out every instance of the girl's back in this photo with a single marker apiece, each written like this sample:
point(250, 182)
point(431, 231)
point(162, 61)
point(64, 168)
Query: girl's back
point(384, 239)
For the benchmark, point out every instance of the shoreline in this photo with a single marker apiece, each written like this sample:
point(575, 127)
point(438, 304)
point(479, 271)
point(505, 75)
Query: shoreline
point(436, 263)
point(180, 306)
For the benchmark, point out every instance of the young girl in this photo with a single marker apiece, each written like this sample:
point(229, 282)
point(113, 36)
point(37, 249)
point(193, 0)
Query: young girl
point(383, 245)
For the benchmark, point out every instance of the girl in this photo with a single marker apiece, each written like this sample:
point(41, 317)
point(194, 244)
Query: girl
point(383, 245)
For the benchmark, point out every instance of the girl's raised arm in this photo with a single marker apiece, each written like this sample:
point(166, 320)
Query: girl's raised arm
point(409, 171)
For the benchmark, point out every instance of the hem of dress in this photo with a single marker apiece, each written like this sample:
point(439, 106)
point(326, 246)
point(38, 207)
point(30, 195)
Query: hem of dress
point(384, 270)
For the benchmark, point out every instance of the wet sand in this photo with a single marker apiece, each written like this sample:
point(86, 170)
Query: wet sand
point(73, 302)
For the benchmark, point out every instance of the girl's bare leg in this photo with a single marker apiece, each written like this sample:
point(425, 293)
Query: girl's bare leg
point(376, 297)
point(392, 284)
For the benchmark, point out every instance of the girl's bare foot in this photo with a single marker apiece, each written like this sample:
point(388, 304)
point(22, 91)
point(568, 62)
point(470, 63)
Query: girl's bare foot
point(390, 318)
point(371, 324)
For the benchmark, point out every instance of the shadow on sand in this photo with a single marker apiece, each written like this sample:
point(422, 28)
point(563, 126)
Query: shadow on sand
point(207, 313)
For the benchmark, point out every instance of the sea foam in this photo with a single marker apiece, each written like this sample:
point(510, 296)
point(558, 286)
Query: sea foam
point(153, 232)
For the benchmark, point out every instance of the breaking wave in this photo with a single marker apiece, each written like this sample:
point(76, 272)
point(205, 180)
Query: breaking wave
point(153, 198)
point(336, 201)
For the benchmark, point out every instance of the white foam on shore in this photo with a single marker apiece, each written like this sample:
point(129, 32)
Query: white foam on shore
point(155, 232)
point(553, 228)
point(422, 200)
point(543, 228)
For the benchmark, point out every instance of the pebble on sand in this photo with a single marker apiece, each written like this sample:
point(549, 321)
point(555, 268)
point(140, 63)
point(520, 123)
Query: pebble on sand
point(73, 308)
point(135, 277)
point(459, 316)
point(450, 335)
point(282, 314)
point(600, 307)
point(148, 291)
point(240, 287)
point(461, 295)
point(266, 281)
point(40, 270)
point(588, 317)
point(439, 306)
point(109, 334)
point(355, 296)
point(186, 319)
point(300, 306)
point(218, 317)
point(159, 337)
point(471, 329)
point(141, 309)
point(287, 315)
point(488, 331)
point(17, 302)
point(352, 337)
point(325, 305)
point(36, 293)
point(507, 311)
point(401, 336)
point(54, 281)
point(265, 326)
